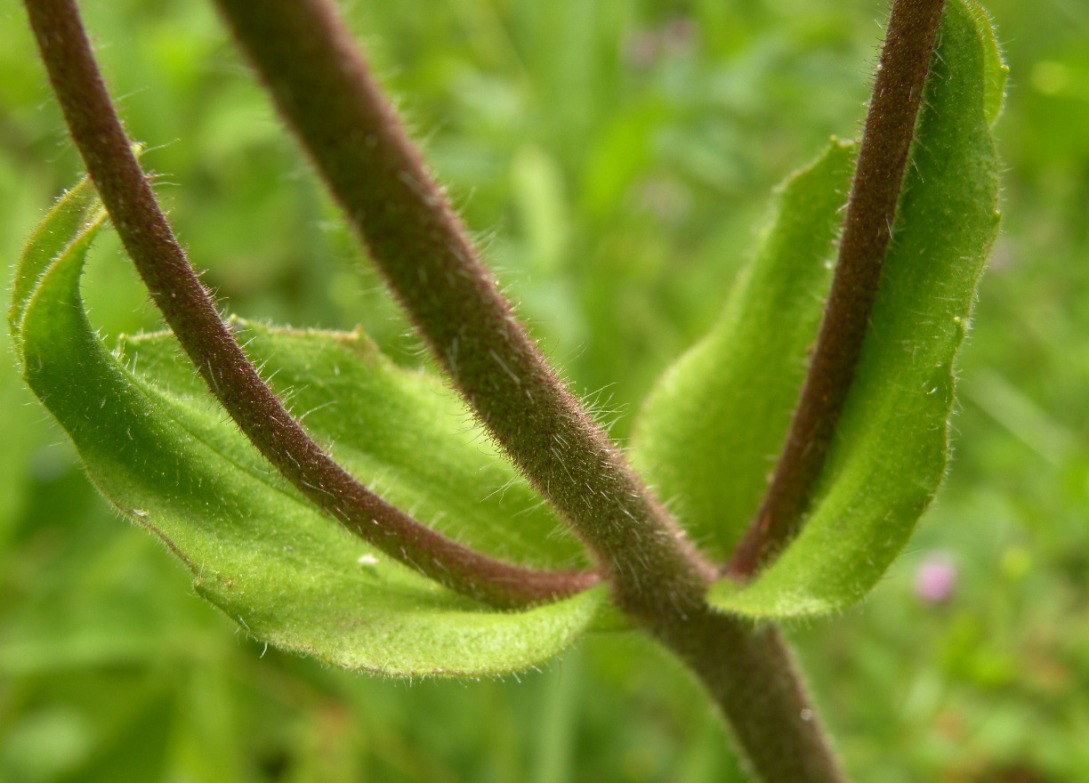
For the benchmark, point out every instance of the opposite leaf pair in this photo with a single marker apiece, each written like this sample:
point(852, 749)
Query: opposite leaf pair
point(160, 449)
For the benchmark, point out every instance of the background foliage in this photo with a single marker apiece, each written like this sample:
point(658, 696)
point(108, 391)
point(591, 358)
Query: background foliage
point(615, 158)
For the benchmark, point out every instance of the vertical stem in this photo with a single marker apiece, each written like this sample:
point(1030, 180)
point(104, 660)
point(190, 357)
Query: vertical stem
point(751, 677)
point(322, 87)
point(871, 213)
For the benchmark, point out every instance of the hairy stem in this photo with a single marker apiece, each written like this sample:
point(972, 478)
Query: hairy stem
point(751, 676)
point(868, 230)
point(322, 86)
point(191, 314)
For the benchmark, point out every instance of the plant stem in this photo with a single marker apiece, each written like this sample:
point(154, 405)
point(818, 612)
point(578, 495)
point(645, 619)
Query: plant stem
point(751, 676)
point(322, 86)
point(868, 229)
point(191, 314)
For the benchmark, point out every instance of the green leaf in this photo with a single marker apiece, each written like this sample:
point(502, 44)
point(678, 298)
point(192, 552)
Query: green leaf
point(708, 433)
point(402, 432)
point(995, 70)
point(76, 217)
point(892, 444)
point(174, 463)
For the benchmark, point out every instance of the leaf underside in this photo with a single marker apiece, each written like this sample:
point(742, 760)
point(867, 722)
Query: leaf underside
point(708, 433)
point(162, 452)
point(166, 455)
point(891, 449)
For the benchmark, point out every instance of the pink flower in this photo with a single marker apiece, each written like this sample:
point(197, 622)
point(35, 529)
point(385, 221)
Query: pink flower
point(936, 578)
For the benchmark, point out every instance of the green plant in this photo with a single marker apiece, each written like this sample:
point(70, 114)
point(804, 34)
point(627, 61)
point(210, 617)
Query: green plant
point(497, 590)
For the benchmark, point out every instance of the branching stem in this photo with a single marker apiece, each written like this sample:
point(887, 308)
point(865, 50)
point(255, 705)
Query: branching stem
point(192, 316)
point(323, 88)
point(868, 229)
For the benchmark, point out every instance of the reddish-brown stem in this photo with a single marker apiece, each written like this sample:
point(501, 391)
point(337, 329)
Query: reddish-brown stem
point(192, 316)
point(323, 88)
point(871, 212)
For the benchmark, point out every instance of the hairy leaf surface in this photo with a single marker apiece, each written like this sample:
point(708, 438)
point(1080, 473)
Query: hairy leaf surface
point(709, 432)
point(892, 443)
point(165, 455)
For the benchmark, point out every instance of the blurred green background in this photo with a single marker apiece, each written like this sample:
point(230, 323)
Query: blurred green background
point(615, 158)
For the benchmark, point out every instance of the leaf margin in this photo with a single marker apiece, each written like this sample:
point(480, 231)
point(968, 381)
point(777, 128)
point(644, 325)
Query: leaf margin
point(39, 315)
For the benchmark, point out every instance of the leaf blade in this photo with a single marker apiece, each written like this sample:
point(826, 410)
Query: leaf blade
point(258, 551)
point(76, 213)
point(892, 445)
point(709, 431)
point(402, 431)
